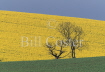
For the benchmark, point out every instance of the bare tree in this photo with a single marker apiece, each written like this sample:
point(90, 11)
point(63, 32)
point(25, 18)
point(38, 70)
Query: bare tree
point(72, 34)
point(57, 53)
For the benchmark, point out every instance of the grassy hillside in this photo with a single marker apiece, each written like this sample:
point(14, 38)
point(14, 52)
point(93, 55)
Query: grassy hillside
point(15, 25)
point(62, 65)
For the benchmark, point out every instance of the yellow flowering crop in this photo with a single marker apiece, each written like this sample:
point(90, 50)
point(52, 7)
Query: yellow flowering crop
point(15, 25)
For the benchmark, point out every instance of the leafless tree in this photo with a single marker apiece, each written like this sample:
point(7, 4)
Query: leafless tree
point(72, 34)
point(57, 53)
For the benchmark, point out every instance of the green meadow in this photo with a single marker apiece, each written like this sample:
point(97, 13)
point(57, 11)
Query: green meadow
point(94, 64)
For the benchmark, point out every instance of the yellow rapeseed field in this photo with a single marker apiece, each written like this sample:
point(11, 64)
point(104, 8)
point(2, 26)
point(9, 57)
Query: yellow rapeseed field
point(16, 27)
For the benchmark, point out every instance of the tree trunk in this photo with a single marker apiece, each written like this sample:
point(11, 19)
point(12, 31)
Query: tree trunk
point(73, 52)
point(57, 57)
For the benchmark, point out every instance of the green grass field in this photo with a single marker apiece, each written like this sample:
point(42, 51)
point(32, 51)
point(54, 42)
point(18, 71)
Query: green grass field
point(94, 64)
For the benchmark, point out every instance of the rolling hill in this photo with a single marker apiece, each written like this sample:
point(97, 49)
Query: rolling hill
point(35, 27)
